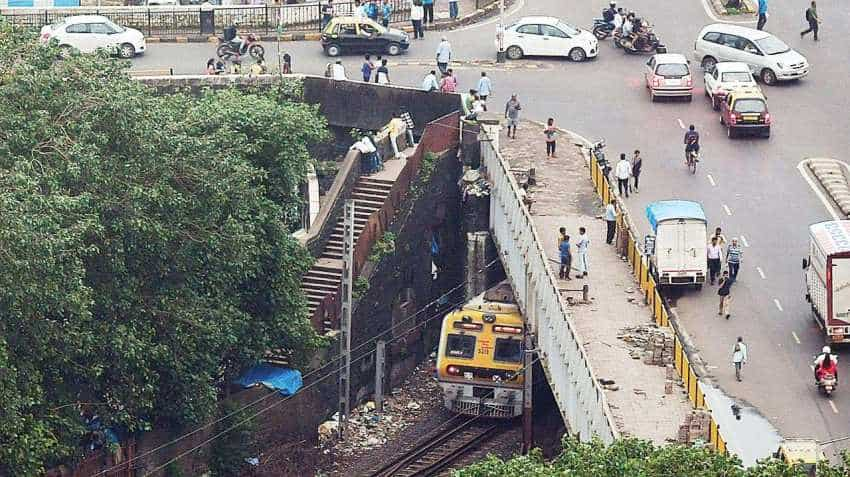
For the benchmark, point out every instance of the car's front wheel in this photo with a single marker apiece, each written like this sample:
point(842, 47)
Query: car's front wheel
point(577, 55)
point(715, 103)
point(514, 53)
point(126, 50)
point(333, 50)
point(393, 49)
point(768, 77)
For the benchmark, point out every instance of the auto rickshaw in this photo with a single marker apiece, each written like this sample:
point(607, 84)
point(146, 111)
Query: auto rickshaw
point(804, 452)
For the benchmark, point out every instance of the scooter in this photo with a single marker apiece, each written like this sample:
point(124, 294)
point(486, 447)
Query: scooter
point(827, 383)
point(602, 29)
point(646, 42)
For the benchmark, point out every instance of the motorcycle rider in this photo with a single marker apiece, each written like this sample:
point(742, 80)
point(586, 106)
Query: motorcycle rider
point(691, 141)
point(608, 13)
point(231, 35)
point(619, 17)
point(826, 362)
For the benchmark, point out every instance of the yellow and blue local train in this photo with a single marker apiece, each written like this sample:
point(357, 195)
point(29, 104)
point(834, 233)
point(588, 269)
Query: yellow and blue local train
point(480, 358)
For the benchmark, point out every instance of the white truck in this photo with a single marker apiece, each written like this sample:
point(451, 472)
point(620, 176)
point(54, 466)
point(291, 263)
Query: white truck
point(827, 272)
point(677, 248)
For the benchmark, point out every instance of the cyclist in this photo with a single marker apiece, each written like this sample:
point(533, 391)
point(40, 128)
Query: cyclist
point(691, 142)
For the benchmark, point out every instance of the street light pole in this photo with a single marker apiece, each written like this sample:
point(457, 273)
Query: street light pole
point(500, 33)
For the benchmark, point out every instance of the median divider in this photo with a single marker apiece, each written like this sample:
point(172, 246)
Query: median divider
point(628, 246)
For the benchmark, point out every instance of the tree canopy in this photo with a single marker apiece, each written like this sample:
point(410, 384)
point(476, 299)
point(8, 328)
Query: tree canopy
point(634, 457)
point(145, 253)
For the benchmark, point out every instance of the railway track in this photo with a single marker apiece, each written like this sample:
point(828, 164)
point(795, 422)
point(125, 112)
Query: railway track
point(440, 448)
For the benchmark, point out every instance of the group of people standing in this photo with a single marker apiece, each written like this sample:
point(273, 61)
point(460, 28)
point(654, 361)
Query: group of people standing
point(378, 66)
point(566, 256)
point(626, 170)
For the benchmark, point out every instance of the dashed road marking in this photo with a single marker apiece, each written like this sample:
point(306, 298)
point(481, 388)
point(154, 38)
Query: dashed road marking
point(711, 179)
point(832, 405)
point(761, 273)
point(681, 124)
point(796, 338)
point(726, 208)
point(744, 241)
point(778, 305)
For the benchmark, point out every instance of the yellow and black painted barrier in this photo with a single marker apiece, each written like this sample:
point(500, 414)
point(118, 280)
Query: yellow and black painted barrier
point(653, 298)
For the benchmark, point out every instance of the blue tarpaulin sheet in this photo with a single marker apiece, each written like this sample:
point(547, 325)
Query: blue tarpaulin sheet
point(673, 209)
point(285, 380)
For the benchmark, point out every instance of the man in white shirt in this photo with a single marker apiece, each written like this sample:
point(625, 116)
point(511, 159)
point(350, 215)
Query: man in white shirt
point(618, 19)
point(611, 221)
point(739, 356)
point(338, 71)
point(430, 82)
point(444, 54)
point(581, 246)
point(623, 171)
point(713, 254)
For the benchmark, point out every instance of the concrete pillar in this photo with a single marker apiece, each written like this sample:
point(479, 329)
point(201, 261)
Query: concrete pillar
point(491, 123)
point(477, 258)
point(312, 199)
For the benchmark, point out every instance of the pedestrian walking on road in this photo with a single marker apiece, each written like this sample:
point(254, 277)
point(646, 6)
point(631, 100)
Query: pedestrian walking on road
point(813, 21)
point(416, 15)
point(338, 71)
point(429, 83)
point(721, 239)
point(762, 14)
point(739, 356)
point(623, 171)
point(485, 87)
point(637, 164)
point(611, 222)
point(582, 247)
point(725, 294)
point(512, 109)
point(566, 258)
point(453, 10)
point(448, 84)
point(327, 13)
point(734, 254)
point(367, 68)
point(386, 11)
point(428, 5)
point(383, 75)
point(550, 131)
point(713, 254)
point(287, 64)
point(444, 54)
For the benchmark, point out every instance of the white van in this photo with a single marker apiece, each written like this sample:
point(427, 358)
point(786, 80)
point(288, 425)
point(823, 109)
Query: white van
point(768, 57)
point(677, 250)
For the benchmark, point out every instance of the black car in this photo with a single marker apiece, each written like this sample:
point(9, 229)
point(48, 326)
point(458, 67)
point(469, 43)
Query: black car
point(362, 35)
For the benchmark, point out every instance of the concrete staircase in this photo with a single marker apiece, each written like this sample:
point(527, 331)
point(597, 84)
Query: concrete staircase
point(325, 276)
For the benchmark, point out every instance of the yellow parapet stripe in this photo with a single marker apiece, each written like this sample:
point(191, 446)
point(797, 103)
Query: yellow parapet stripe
point(678, 354)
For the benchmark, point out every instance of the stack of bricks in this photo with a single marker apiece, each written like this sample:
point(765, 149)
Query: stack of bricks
point(697, 427)
point(669, 379)
point(659, 349)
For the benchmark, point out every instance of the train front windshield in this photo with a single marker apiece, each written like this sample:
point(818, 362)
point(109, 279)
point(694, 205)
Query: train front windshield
point(508, 350)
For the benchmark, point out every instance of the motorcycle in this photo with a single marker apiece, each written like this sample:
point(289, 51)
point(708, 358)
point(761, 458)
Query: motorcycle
point(250, 44)
point(827, 383)
point(602, 29)
point(598, 151)
point(644, 42)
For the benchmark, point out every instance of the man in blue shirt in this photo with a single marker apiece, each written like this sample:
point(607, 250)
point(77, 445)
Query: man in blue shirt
point(428, 5)
point(762, 14)
point(566, 258)
point(386, 11)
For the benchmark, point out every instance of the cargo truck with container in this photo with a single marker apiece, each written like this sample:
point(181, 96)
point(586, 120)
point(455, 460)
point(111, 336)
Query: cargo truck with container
point(677, 247)
point(827, 272)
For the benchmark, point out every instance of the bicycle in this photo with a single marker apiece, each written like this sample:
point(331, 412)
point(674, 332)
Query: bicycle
point(691, 159)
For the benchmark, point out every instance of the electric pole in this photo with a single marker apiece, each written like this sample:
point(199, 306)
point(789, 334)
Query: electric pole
point(345, 320)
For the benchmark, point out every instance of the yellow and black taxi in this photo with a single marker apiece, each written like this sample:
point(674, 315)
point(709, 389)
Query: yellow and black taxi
point(745, 110)
point(362, 35)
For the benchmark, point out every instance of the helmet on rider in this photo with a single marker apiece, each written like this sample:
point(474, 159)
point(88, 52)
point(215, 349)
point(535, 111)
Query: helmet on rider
point(691, 127)
point(827, 350)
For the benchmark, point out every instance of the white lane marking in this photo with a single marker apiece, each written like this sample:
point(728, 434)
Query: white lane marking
point(681, 124)
point(761, 273)
point(711, 179)
point(832, 405)
point(778, 305)
point(710, 13)
point(744, 241)
point(726, 208)
point(796, 338)
point(801, 166)
point(519, 5)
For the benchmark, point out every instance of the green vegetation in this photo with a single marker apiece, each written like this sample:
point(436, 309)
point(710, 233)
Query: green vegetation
point(634, 457)
point(228, 454)
point(145, 257)
point(382, 247)
point(361, 286)
point(426, 170)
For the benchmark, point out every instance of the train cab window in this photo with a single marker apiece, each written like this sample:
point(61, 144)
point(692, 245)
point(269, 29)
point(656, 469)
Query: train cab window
point(460, 346)
point(508, 350)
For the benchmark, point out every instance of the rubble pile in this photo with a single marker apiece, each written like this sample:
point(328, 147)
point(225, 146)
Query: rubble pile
point(696, 428)
point(649, 342)
point(474, 184)
point(369, 429)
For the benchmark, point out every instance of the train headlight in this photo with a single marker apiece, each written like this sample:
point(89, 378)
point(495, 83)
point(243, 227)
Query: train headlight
point(453, 370)
point(489, 318)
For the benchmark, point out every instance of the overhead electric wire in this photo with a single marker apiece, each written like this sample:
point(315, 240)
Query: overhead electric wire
point(312, 372)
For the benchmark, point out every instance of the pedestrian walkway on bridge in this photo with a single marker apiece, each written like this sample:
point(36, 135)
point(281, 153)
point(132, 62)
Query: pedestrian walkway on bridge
point(564, 197)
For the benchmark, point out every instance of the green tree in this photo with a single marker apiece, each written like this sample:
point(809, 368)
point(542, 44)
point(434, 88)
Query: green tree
point(635, 457)
point(228, 454)
point(145, 253)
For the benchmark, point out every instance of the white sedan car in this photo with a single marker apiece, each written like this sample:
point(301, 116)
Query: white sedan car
point(548, 36)
point(88, 33)
point(727, 76)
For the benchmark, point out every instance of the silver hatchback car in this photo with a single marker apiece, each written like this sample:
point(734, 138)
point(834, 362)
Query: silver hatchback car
point(668, 74)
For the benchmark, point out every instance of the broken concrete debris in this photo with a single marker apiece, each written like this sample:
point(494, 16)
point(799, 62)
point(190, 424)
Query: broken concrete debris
point(649, 342)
